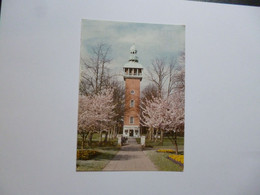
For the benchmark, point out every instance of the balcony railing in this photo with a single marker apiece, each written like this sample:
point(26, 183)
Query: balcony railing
point(132, 74)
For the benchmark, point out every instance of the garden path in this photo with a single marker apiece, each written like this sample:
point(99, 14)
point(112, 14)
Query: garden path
point(130, 158)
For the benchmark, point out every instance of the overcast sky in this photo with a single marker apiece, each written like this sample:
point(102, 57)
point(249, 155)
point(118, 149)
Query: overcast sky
point(151, 41)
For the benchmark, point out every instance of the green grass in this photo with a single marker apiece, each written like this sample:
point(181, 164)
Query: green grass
point(162, 162)
point(167, 143)
point(160, 159)
point(95, 142)
point(107, 151)
point(98, 162)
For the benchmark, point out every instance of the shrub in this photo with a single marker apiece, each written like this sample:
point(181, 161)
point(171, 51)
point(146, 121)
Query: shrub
point(166, 150)
point(178, 158)
point(86, 154)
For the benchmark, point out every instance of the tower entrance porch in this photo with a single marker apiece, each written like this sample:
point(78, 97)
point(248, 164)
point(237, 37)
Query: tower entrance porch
point(131, 131)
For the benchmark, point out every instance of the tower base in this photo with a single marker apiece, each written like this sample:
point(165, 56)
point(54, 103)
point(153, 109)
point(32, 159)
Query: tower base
point(131, 131)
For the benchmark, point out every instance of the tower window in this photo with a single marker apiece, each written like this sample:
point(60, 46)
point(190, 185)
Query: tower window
point(132, 103)
point(132, 92)
point(131, 120)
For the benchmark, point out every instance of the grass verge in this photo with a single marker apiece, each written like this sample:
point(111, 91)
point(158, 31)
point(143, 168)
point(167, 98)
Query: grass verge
point(167, 144)
point(162, 162)
point(98, 162)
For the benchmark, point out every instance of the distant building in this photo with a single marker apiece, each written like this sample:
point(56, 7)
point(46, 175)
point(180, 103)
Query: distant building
point(132, 76)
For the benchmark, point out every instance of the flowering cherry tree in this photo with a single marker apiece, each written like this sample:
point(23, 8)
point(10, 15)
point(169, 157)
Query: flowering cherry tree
point(84, 122)
point(177, 102)
point(166, 114)
point(176, 115)
point(154, 115)
point(96, 112)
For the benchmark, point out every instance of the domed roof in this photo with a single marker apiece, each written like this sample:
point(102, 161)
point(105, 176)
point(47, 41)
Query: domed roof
point(133, 59)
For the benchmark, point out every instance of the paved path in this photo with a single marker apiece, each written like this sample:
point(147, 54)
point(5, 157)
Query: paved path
point(130, 158)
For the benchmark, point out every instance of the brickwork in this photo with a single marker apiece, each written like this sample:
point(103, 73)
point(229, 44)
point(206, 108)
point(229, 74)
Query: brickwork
point(132, 84)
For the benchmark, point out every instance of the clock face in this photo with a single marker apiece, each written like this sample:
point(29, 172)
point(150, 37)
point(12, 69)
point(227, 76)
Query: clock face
point(132, 92)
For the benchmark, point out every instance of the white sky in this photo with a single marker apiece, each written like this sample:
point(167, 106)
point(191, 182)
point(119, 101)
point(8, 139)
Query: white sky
point(151, 40)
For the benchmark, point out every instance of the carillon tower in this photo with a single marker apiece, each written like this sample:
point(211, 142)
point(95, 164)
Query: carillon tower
point(132, 76)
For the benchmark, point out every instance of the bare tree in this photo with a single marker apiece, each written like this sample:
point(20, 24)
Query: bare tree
point(172, 65)
point(95, 72)
point(158, 74)
point(179, 74)
point(149, 91)
point(162, 75)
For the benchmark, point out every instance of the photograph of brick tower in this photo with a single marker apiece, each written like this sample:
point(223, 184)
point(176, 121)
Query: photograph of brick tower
point(132, 77)
point(131, 97)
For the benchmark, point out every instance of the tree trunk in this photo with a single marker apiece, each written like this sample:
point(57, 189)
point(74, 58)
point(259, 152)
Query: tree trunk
point(111, 132)
point(82, 142)
point(152, 134)
point(100, 138)
point(162, 136)
point(175, 143)
point(114, 131)
point(105, 140)
point(109, 135)
point(156, 135)
point(90, 138)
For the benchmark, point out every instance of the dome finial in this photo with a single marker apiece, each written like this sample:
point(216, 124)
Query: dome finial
point(133, 57)
point(132, 48)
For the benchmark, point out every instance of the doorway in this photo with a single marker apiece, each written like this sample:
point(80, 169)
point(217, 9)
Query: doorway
point(131, 133)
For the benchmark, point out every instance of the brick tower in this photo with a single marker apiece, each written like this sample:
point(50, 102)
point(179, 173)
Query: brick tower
point(132, 76)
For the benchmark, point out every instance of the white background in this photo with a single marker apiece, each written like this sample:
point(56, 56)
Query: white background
point(39, 73)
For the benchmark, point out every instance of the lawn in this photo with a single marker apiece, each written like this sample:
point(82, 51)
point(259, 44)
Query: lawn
point(98, 162)
point(161, 159)
point(106, 151)
point(167, 143)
